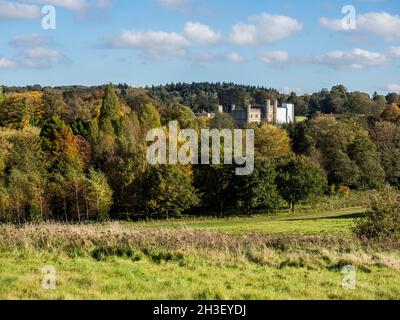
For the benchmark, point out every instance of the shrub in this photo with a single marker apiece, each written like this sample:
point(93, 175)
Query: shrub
point(34, 214)
point(344, 191)
point(382, 219)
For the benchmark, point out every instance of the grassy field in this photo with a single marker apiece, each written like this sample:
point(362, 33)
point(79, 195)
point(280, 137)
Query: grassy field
point(333, 222)
point(262, 257)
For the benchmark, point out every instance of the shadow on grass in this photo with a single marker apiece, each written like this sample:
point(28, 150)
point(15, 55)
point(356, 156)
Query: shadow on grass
point(340, 217)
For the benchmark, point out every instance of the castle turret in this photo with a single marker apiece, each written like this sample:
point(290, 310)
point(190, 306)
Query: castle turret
point(249, 113)
point(275, 112)
point(269, 112)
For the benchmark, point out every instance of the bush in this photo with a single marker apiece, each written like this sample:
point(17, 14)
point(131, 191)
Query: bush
point(344, 191)
point(103, 213)
point(34, 214)
point(383, 217)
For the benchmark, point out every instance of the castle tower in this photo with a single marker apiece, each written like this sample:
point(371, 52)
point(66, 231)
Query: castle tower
point(249, 113)
point(275, 113)
point(269, 112)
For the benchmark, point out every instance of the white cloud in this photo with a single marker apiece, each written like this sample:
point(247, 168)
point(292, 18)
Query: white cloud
point(376, 23)
point(235, 57)
point(288, 90)
point(28, 40)
point(394, 87)
point(273, 56)
point(394, 52)
point(264, 28)
point(41, 53)
point(158, 45)
point(177, 5)
point(68, 4)
point(76, 5)
point(15, 10)
point(355, 59)
point(331, 24)
point(7, 63)
point(201, 33)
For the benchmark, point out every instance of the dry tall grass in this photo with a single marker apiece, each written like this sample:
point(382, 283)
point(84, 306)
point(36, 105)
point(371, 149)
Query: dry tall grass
point(117, 239)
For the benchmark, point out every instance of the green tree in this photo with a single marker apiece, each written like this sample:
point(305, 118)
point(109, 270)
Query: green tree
point(180, 113)
point(168, 190)
point(386, 136)
point(98, 195)
point(214, 183)
point(222, 121)
point(298, 180)
point(2, 96)
point(363, 152)
point(382, 220)
point(258, 190)
point(301, 138)
point(110, 112)
point(149, 117)
point(359, 103)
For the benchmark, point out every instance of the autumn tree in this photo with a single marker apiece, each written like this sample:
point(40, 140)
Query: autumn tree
point(391, 113)
point(54, 105)
point(98, 195)
point(58, 141)
point(272, 142)
point(168, 190)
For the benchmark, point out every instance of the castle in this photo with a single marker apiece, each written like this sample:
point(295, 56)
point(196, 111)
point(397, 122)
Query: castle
point(260, 113)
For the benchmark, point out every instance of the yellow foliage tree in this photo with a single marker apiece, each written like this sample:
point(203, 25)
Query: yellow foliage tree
point(272, 142)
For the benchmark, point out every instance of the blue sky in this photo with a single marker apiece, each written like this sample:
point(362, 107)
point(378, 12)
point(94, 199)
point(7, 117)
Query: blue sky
point(290, 45)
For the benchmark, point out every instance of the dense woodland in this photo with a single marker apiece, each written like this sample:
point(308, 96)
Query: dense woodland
point(79, 153)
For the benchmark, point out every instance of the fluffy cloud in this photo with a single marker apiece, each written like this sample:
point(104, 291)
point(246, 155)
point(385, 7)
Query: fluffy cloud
point(273, 56)
point(28, 40)
point(157, 44)
point(355, 59)
point(377, 23)
point(42, 53)
point(7, 63)
point(201, 34)
point(14, 10)
point(235, 57)
point(264, 28)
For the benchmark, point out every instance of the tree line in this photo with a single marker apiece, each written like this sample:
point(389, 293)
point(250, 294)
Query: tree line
point(76, 153)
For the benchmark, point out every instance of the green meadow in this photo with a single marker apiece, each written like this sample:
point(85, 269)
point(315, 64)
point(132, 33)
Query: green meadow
point(283, 256)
